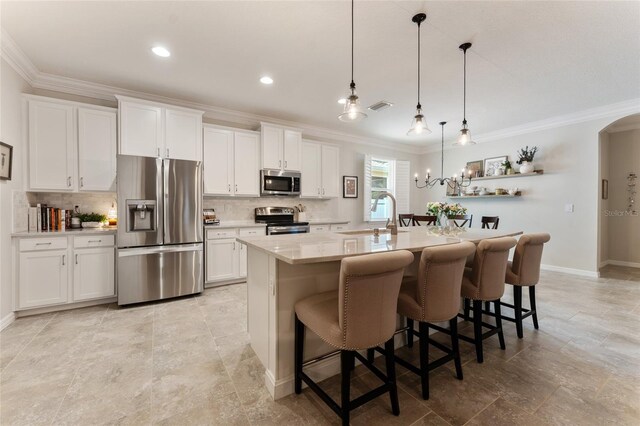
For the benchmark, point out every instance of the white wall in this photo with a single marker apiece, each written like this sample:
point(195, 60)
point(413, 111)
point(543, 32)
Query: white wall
point(569, 157)
point(603, 247)
point(623, 229)
point(11, 88)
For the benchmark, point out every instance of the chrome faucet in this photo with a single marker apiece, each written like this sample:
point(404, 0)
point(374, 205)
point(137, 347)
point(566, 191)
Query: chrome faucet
point(392, 225)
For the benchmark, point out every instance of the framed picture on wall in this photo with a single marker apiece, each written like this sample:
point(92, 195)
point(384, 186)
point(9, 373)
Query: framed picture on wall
point(476, 168)
point(349, 186)
point(6, 161)
point(491, 164)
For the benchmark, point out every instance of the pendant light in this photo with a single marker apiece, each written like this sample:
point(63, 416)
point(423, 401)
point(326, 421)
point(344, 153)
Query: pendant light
point(465, 134)
point(419, 124)
point(352, 110)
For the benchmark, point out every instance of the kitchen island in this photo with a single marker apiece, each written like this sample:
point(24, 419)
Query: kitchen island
point(284, 269)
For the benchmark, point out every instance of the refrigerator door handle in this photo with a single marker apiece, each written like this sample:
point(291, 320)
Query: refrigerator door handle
point(165, 196)
point(159, 249)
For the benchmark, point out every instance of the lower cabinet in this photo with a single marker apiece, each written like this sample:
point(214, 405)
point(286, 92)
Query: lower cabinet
point(64, 269)
point(226, 258)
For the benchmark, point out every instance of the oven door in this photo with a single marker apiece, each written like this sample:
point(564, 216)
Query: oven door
point(276, 182)
point(281, 230)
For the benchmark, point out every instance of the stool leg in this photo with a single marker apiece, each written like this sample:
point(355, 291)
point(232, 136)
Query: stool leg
point(453, 325)
point(477, 329)
point(370, 353)
point(532, 297)
point(345, 369)
point(487, 306)
point(410, 333)
point(391, 376)
point(517, 303)
point(467, 308)
point(299, 352)
point(424, 358)
point(496, 306)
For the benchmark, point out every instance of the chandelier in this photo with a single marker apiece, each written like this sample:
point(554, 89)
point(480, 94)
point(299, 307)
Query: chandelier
point(454, 182)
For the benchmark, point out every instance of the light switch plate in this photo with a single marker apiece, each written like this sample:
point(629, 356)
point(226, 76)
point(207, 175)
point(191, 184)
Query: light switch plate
point(568, 208)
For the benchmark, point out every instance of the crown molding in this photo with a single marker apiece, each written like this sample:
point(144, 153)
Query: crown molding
point(16, 58)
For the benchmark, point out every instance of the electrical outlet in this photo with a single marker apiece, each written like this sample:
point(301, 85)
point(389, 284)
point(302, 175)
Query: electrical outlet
point(568, 208)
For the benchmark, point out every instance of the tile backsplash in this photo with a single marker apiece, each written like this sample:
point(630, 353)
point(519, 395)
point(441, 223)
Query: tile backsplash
point(243, 208)
point(87, 202)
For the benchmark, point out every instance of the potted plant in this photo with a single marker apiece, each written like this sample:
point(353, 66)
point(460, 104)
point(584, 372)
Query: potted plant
point(92, 220)
point(525, 159)
point(506, 165)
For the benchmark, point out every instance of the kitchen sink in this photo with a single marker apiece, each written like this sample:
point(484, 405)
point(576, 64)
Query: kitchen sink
point(367, 231)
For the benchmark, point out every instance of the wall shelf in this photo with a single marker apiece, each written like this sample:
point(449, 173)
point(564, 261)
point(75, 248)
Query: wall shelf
point(471, 197)
point(515, 175)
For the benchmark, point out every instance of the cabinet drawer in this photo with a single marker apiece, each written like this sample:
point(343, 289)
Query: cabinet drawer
point(31, 244)
point(215, 234)
point(319, 228)
point(93, 241)
point(338, 227)
point(253, 232)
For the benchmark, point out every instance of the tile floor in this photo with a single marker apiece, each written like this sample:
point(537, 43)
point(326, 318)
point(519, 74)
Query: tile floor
point(188, 362)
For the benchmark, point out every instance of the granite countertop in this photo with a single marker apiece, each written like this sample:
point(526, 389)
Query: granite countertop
point(326, 221)
point(253, 224)
point(326, 247)
point(80, 231)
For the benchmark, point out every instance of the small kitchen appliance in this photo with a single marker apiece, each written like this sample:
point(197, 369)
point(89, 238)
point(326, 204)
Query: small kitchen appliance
point(280, 220)
point(279, 182)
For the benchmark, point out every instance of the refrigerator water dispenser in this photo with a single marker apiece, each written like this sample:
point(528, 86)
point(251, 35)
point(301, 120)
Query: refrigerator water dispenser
point(141, 215)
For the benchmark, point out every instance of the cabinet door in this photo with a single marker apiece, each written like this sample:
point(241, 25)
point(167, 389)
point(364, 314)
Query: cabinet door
point(218, 161)
point(310, 170)
point(222, 260)
point(97, 142)
point(271, 146)
point(93, 273)
point(52, 152)
point(183, 135)
point(242, 272)
point(246, 164)
point(140, 129)
point(330, 171)
point(43, 278)
point(292, 150)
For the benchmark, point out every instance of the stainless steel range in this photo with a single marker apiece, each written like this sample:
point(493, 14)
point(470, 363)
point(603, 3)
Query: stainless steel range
point(280, 221)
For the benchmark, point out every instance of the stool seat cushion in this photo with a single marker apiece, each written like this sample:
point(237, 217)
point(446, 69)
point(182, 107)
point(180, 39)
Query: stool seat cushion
point(320, 314)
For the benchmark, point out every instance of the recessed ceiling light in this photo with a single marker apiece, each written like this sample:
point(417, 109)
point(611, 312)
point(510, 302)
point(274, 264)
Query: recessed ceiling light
point(161, 51)
point(266, 80)
point(342, 101)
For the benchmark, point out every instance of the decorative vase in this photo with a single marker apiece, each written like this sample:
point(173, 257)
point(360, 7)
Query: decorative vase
point(498, 172)
point(442, 220)
point(526, 167)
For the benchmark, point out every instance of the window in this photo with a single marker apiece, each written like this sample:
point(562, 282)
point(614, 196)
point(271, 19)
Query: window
point(385, 175)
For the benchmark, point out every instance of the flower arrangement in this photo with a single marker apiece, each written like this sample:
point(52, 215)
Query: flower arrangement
point(435, 208)
point(526, 154)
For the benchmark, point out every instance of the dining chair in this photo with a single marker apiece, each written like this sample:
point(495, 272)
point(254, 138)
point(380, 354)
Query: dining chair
point(490, 222)
point(405, 220)
point(426, 220)
point(461, 220)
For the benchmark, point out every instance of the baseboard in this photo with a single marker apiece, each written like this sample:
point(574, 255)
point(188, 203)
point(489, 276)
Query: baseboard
point(604, 263)
point(623, 263)
point(572, 271)
point(65, 307)
point(4, 322)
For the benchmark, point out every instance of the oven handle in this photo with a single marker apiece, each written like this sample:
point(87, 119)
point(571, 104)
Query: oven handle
point(279, 230)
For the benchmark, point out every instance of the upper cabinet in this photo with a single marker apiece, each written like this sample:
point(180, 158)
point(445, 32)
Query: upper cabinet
point(72, 146)
point(231, 162)
point(281, 148)
point(151, 129)
point(320, 172)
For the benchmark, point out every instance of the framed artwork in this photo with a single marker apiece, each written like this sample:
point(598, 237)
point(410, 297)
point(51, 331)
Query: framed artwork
point(605, 189)
point(476, 168)
point(491, 164)
point(6, 161)
point(349, 186)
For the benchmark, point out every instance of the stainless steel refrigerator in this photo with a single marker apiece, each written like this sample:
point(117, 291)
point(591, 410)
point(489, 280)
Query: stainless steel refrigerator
point(159, 228)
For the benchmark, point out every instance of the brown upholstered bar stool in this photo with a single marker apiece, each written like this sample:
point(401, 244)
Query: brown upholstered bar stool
point(424, 220)
point(461, 220)
point(485, 282)
point(361, 314)
point(434, 297)
point(524, 271)
point(405, 220)
point(490, 222)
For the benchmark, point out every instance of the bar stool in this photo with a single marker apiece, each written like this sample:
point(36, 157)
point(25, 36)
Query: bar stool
point(434, 297)
point(490, 222)
point(428, 220)
point(361, 314)
point(465, 218)
point(405, 220)
point(524, 271)
point(485, 282)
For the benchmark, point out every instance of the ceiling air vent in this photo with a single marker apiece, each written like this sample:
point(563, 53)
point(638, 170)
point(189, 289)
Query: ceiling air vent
point(379, 106)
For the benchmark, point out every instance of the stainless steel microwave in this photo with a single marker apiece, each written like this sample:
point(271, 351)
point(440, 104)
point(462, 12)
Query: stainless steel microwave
point(278, 182)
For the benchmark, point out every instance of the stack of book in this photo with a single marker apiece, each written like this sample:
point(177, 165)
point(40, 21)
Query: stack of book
point(43, 218)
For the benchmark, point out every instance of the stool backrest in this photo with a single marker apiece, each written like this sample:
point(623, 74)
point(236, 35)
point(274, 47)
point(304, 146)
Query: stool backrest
point(461, 220)
point(490, 265)
point(490, 222)
point(368, 297)
point(424, 220)
point(439, 280)
point(527, 258)
point(405, 219)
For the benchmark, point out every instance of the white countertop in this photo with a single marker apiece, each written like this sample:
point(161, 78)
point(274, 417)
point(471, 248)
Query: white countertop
point(253, 224)
point(326, 221)
point(330, 246)
point(80, 231)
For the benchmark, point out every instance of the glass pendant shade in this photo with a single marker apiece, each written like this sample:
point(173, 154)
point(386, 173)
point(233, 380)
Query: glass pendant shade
point(419, 125)
point(465, 136)
point(352, 110)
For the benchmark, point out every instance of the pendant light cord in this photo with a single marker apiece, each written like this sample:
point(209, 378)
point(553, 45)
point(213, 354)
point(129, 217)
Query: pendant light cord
point(353, 84)
point(419, 106)
point(464, 89)
point(442, 155)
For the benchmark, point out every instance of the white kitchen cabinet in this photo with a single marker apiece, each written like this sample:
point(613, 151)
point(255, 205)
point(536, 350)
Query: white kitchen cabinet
point(93, 273)
point(97, 141)
point(217, 161)
point(335, 227)
point(183, 134)
point(222, 259)
point(52, 151)
point(317, 229)
point(242, 259)
point(43, 278)
point(152, 129)
point(280, 148)
point(246, 164)
point(320, 170)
